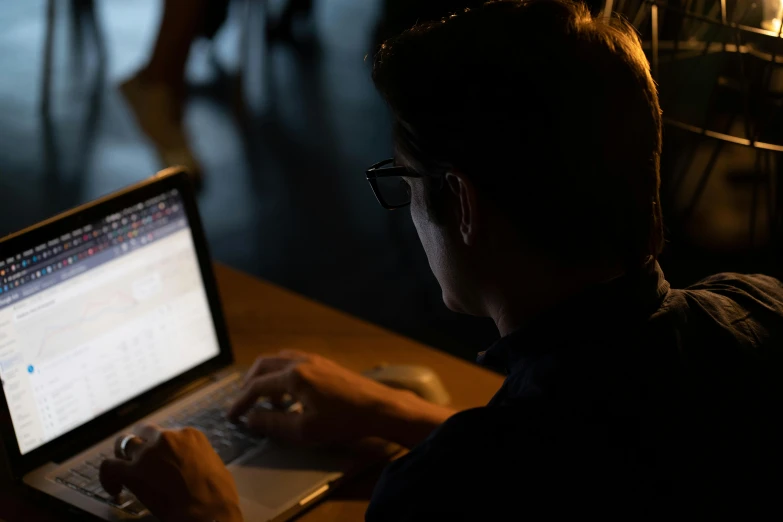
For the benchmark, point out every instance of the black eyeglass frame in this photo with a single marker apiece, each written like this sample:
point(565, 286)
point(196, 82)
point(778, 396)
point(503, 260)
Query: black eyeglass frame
point(381, 170)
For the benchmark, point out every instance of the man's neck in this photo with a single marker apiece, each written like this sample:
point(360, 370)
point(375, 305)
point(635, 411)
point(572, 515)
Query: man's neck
point(512, 306)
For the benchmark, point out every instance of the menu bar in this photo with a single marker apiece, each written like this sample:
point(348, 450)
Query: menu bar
point(129, 229)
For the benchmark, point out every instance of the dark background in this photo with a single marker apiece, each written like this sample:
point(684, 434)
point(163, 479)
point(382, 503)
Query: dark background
point(284, 151)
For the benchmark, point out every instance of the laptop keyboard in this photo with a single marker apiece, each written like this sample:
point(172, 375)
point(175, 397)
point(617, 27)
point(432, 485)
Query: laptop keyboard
point(208, 415)
point(84, 479)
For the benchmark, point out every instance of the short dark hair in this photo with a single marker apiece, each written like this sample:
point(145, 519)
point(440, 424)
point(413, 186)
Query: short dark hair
point(550, 112)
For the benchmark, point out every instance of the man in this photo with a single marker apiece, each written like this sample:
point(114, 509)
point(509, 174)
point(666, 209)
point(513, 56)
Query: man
point(528, 136)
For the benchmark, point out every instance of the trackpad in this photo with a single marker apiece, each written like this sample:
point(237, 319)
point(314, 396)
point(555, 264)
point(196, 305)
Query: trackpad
point(279, 475)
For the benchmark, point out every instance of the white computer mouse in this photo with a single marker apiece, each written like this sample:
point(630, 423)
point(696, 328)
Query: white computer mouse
point(419, 379)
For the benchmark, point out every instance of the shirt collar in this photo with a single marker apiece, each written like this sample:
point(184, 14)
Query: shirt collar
point(636, 294)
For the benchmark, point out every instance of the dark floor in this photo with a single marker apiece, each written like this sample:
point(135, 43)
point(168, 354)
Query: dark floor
point(285, 195)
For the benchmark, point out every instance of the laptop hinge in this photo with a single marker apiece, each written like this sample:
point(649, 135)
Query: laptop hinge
point(190, 388)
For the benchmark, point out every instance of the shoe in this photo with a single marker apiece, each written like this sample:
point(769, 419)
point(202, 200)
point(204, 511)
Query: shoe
point(158, 111)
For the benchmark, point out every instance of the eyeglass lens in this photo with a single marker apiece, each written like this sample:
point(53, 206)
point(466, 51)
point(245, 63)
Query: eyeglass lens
point(394, 190)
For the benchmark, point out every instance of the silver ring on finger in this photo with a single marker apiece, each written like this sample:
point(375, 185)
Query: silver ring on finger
point(123, 446)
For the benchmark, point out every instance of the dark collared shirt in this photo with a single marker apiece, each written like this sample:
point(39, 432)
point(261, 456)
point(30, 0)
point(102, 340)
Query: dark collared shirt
point(630, 401)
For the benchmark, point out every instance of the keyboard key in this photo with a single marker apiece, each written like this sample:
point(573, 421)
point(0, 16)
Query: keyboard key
point(86, 471)
point(76, 480)
point(123, 500)
point(95, 462)
point(103, 495)
point(228, 454)
point(73, 479)
point(135, 508)
point(103, 456)
point(64, 476)
point(93, 486)
point(74, 472)
point(64, 483)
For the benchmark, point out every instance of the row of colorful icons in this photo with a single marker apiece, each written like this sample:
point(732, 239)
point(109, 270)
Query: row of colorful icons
point(51, 268)
point(119, 235)
point(69, 241)
point(16, 273)
point(70, 260)
point(30, 261)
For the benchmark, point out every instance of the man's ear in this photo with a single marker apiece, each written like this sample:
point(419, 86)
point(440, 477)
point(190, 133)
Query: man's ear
point(466, 210)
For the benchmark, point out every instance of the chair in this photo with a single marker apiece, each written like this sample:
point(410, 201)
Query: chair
point(688, 40)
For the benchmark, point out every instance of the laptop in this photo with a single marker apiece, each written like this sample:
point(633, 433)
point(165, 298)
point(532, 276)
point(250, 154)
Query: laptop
point(110, 316)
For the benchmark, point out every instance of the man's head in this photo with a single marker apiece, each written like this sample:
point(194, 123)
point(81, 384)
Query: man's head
point(538, 132)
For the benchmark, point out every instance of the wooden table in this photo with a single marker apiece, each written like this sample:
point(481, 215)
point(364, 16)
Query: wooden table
point(264, 318)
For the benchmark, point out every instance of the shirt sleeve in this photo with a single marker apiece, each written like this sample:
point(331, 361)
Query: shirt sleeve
point(476, 466)
point(519, 459)
point(431, 477)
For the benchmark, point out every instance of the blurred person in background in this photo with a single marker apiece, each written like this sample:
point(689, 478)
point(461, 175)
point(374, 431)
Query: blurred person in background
point(527, 141)
point(157, 92)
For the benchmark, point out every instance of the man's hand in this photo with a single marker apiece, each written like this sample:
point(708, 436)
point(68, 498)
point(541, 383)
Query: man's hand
point(337, 405)
point(175, 474)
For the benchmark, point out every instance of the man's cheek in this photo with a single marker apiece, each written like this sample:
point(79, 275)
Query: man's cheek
point(416, 215)
point(422, 230)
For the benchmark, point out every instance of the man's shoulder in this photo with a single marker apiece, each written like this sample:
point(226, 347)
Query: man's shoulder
point(731, 281)
point(743, 289)
point(728, 299)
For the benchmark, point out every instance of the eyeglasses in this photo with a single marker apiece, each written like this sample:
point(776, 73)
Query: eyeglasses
point(388, 185)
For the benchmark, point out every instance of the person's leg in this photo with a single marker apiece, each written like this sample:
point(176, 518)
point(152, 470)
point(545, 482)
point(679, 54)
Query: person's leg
point(157, 92)
point(180, 26)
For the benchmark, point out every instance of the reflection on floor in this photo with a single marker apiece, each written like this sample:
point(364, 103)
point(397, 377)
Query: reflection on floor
point(285, 196)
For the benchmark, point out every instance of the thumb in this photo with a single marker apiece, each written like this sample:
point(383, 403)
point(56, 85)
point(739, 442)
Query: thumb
point(276, 424)
point(114, 474)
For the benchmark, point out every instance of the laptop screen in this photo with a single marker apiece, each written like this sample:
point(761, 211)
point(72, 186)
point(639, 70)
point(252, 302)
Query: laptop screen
point(99, 315)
